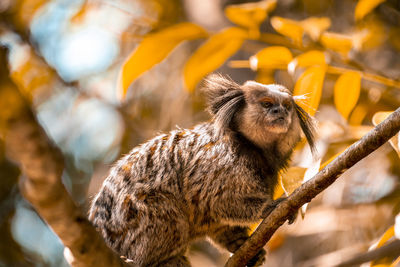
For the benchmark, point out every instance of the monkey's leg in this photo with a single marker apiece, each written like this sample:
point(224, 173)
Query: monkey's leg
point(245, 209)
point(158, 233)
point(232, 237)
point(237, 208)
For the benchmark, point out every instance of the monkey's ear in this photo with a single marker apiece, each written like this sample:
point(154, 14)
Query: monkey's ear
point(224, 99)
point(307, 126)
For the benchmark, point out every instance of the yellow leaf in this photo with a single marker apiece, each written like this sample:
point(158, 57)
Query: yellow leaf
point(295, 30)
point(250, 15)
point(253, 227)
point(314, 26)
point(337, 42)
point(289, 28)
point(265, 76)
point(278, 191)
point(277, 240)
point(358, 115)
point(310, 85)
point(369, 34)
point(363, 7)
point(212, 54)
point(347, 92)
point(386, 236)
point(307, 59)
point(292, 179)
point(378, 118)
point(272, 57)
point(153, 49)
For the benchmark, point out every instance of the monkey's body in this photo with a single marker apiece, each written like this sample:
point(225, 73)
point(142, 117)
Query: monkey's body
point(211, 180)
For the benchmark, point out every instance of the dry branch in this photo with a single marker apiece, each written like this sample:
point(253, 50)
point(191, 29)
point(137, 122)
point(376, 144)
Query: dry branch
point(305, 193)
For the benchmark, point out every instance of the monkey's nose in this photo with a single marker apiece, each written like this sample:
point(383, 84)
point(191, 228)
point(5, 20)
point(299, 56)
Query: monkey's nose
point(276, 110)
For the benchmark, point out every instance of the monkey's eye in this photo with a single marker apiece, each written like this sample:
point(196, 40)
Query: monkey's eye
point(287, 105)
point(266, 104)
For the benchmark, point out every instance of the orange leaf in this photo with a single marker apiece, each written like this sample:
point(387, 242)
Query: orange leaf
point(307, 59)
point(370, 34)
point(364, 7)
point(337, 42)
point(347, 92)
point(212, 54)
point(265, 76)
point(358, 115)
point(310, 85)
point(289, 28)
point(153, 49)
point(292, 178)
point(278, 191)
point(315, 26)
point(250, 15)
point(295, 30)
point(386, 236)
point(272, 57)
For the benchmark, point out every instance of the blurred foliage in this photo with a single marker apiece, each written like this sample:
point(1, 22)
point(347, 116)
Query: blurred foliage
point(104, 76)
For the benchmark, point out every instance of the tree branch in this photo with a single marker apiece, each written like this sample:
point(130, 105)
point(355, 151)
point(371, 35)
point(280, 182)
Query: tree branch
point(42, 164)
point(305, 193)
point(391, 249)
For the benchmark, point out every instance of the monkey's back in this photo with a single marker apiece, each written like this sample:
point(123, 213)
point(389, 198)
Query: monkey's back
point(167, 187)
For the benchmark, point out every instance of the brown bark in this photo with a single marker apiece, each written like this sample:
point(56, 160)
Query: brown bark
point(305, 193)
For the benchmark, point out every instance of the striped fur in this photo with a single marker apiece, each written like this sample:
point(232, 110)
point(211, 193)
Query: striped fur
point(213, 180)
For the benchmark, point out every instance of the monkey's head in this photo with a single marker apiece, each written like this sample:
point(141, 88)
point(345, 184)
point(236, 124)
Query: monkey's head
point(264, 114)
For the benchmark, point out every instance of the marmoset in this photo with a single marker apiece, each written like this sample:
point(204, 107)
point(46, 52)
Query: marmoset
point(213, 180)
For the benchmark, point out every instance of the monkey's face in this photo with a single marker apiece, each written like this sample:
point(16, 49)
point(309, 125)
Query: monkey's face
point(269, 107)
point(264, 114)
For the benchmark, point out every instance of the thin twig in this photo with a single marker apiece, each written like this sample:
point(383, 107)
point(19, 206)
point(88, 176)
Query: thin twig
point(391, 249)
point(305, 193)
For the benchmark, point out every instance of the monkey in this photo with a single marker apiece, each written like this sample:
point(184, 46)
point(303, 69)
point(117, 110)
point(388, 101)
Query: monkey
point(213, 180)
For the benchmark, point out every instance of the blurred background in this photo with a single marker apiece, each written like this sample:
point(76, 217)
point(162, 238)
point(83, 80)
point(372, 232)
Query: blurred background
point(65, 57)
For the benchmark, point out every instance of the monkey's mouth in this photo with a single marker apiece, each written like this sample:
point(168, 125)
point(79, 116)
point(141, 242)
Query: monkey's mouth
point(279, 120)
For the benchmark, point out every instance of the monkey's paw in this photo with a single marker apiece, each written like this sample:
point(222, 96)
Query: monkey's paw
point(258, 259)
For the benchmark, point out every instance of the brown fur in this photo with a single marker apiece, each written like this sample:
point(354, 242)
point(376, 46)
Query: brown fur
point(213, 180)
